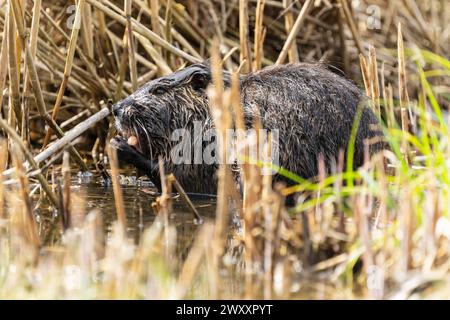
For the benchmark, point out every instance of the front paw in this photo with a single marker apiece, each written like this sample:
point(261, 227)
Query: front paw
point(125, 152)
point(119, 143)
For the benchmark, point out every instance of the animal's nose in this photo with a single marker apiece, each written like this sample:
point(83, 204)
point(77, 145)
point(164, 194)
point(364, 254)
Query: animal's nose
point(116, 109)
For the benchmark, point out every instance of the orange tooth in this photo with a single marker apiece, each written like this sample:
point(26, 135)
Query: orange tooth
point(132, 141)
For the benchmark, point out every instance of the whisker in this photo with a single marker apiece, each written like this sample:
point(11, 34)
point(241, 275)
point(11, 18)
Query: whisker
point(136, 134)
point(147, 136)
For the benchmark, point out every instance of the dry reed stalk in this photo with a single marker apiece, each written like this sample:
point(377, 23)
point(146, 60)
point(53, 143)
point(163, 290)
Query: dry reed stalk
point(68, 67)
point(66, 214)
point(131, 45)
point(374, 83)
point(239, 124)
point(215, 23)
point(19, 143)
point(390, 13)
point(235, 98)
point(183, 42)
point(403, 93)
point(406, 207)
point(259, 36)
point(245, 54)
point(366, 74)
point(142, 30)
point(432, 215)
point(146, 77)
point(27, 103)
point(406, 215)
point(87, 78)
point(252, 212)
point(92, 74)
point(118, 197)
point(71, 135)
point(337, 186)
point(344, 50)
point(289, 24)
point(21, 249)
point(198, 218)
point(295, 30)
point(195, 31)
point(3, 163)
point(390, 105)
point(14, 68)
point(319, 208)
point(382, 215)
point(122, 68)
point(384, 94)
point(29, 222)
point(35, 83)
point(105, 50)
point(281, 221)
point(229, 54)
point(362, 212)
point(77, 117)
point(270, 217)
point(247, 184)
point(135, 271)
point(77, 210)
point(167, 29)
point(154, 15)
point(424, 25)
point(87, 35)
point(190, 267)
point(164, 68)
point(222, 119)
point(4, 58)
point(161, 204)
point(352, 25)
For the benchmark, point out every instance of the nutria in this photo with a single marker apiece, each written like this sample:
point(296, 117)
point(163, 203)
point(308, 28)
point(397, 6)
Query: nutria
point(312, 107)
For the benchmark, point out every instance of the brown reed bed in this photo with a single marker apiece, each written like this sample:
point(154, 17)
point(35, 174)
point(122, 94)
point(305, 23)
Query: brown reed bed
point(379, 232)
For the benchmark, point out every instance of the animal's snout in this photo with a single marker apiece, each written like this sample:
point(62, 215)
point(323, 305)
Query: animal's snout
point(118, 108)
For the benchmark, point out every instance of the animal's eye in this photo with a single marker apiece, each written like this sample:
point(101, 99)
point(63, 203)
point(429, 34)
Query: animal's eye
point(158, 90)
point(199, 82)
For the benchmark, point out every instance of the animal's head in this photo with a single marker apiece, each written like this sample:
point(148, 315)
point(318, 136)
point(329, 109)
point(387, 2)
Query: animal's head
point(163, 105)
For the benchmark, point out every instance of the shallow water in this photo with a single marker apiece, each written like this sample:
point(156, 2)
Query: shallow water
point(138, 195)
point(91, 192)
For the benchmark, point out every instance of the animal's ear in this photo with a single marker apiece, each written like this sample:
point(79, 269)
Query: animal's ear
point(200, 79)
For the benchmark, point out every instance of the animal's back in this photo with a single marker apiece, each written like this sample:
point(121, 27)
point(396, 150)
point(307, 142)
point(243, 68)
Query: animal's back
point(314, 111)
